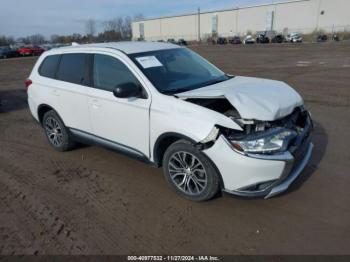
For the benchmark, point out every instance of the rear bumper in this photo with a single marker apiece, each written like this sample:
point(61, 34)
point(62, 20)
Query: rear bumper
point(33, 108)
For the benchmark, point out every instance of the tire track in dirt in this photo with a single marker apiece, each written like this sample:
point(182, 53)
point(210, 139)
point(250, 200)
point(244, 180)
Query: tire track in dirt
point(117, 225)
point(46, 230)
point(86, 187)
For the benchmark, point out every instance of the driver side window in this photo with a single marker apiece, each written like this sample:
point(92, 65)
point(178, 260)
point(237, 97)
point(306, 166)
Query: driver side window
point(109, 72)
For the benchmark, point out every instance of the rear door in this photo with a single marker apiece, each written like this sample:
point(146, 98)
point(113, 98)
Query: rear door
point(72, 90)
point(44, 87)
point(124, 121)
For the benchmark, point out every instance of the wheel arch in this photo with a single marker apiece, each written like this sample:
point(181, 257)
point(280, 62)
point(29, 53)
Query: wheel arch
point(166, 139)
point(163, 142)
point(44, 108)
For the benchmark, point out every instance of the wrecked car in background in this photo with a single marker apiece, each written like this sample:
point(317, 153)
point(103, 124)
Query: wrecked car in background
point(294, 38)
point(166, 105)
point(248, 40)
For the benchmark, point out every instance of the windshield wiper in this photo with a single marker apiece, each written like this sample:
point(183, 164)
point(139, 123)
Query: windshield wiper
point(175, 91)
point(216, 81)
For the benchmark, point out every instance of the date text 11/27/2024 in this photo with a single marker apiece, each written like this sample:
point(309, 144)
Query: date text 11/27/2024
point(173, 258)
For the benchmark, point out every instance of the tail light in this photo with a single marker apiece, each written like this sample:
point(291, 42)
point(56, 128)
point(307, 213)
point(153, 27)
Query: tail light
point(28, 82)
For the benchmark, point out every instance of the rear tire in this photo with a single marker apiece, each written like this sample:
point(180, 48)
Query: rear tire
point(56, 132)
point(190, 172)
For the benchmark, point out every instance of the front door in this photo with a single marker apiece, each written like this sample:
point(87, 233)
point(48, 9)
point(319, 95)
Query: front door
point(124, 121)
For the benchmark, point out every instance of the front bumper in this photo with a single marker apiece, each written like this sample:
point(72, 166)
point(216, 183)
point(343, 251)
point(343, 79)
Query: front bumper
point(262, 176)
point(285, 183)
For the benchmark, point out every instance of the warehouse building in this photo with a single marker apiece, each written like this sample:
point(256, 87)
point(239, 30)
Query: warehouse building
point(303, 16)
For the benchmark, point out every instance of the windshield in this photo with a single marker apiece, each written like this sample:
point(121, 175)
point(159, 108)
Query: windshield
point(177, 70)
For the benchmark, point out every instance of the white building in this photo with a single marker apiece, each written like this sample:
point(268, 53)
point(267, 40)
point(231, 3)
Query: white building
point(303, 16)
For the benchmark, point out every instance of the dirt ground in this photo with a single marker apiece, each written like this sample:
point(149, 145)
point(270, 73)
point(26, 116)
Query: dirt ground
point(93, 201)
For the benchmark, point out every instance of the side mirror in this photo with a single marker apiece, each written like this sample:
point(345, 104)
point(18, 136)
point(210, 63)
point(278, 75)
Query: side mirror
point(127, 90)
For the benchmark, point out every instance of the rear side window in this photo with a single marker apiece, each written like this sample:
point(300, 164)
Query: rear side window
point(109, 72)
point(72, 68)
point(49, 66)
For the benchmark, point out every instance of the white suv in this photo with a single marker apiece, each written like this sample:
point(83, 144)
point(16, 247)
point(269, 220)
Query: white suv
point(169, 107)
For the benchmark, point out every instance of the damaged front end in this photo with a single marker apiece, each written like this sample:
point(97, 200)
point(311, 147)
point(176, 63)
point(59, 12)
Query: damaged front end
point(270, 137)
point(256, 136)
point(270, 144)
point(286, 140)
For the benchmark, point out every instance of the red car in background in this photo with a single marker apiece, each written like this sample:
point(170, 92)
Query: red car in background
point(30, 50)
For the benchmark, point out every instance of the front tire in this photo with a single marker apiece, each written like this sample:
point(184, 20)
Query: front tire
point(190, 172)
point(56, 132)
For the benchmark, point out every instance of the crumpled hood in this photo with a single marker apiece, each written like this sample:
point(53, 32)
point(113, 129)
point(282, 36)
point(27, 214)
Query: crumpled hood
point(253, 98)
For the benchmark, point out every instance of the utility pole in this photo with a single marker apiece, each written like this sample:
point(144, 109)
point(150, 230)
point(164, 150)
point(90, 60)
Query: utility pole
point(274, 15)
point(199, 24)
point(318, 14)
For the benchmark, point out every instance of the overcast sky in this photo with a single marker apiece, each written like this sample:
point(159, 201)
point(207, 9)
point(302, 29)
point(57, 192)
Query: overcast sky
point(48, 17)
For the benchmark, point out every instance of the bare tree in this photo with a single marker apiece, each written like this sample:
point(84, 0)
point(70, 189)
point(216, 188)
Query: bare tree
point(4, 40)
point(54, 38)
point(35, 39)
point(111, 25)
point(90, 28)
point(138, 17)
point(119, 21)
point(76, 37)
point(127, 27)
point(118, 28)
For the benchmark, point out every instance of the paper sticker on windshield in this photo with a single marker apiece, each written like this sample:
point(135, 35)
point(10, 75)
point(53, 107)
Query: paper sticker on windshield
point(148, 61)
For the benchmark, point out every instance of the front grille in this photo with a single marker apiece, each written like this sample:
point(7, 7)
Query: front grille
point(300, 145)
point(301, 151)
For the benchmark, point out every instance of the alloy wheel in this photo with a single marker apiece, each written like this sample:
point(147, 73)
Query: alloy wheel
point(53, 131)
point(188, 173)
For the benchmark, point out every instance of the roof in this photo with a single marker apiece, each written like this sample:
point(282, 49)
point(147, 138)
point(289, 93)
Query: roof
point(129, 47)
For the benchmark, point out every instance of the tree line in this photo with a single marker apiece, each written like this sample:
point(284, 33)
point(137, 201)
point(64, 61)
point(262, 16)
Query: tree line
point(116, 29)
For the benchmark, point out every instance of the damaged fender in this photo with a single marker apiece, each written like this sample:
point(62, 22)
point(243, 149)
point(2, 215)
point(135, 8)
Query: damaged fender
point(188, 119)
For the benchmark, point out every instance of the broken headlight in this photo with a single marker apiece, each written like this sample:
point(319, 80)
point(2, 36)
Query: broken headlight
point(273, 141)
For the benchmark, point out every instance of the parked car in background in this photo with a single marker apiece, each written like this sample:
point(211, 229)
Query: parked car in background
point(248, 40)
point(47, 47)
point(278, 39)
point(236, 40)
point(25, 51)
point(30, 50)
point(262, 39)
point(37, 50)
point(294, 38)
point(182, 42)
point(221, 41)
point(211, 40)
point(336, 38)
point(171, 40)
point(322, 38)
point(7, 52)
point(246, 136)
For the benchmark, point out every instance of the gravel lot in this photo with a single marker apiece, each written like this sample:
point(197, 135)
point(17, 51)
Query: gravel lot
point(93, 201)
